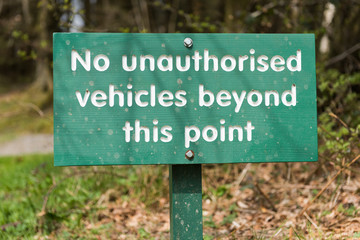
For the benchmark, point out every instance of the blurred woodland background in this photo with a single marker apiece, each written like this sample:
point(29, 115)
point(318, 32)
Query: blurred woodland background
point(26, 28)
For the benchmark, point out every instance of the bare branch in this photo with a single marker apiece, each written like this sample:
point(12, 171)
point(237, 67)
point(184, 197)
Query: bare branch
point(343, 55)
point(266, 197)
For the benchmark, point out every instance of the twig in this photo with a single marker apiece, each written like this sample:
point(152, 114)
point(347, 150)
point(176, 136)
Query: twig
point(278, 232)
point(5, 226)
point(327, 185)
point(34, 107)
point(266, 197)
point(45, 200)
point(51, 189)
point(266, 8)
point(333, 202)
point(290, 233)
point(343, 55)
point(288, 176)
point(243, 174)
point(326, 131)
point(10, 114)
point(311, 221)
point(337, 118)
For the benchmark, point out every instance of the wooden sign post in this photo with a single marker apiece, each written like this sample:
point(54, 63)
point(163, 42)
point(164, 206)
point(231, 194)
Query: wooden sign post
point(184, 100)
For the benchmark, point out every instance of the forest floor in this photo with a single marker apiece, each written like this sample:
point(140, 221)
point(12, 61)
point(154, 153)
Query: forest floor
point(256, 201)
point(240, 201)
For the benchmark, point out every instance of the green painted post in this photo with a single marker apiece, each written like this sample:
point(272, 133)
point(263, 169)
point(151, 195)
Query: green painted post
point(185, 202)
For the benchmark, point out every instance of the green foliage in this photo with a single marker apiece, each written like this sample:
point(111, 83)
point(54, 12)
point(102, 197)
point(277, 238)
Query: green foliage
point(221, 190)
point(326, 212)
point(349, 210)
point(20, 186)
point(209, 222)
point(143, 234)
point(258, 235)
point(338, 93)
point(208, 237)
point(356, 235)
point(339, 119)
point(229, 219)
point(17, 34)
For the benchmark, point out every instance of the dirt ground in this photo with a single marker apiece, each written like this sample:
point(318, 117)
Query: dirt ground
point(252, 201)
point(28, 144)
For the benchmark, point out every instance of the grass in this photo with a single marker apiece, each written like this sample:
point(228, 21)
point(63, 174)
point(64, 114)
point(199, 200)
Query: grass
point(71, 195)
point(20, 193)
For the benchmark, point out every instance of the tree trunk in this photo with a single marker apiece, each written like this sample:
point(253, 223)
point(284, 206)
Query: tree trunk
point(43, 78)
point(26, 11)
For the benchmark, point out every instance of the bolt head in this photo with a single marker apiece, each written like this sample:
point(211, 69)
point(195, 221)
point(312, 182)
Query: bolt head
point(188, 42)
point(189, 155)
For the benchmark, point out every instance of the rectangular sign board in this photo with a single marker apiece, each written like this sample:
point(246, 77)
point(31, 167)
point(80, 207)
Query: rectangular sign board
point(151, 98)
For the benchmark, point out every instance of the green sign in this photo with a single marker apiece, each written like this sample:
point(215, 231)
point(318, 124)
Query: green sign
point(184, 98)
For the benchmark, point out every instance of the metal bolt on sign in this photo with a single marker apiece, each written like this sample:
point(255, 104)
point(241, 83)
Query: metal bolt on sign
point(188, 42)
point(189, 154)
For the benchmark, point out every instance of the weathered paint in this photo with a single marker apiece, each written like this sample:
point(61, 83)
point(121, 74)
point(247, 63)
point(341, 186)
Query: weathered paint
point(185, 202)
